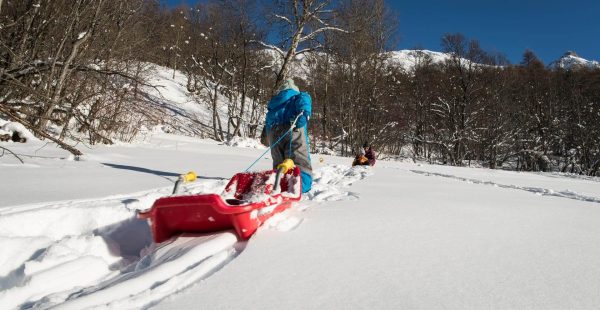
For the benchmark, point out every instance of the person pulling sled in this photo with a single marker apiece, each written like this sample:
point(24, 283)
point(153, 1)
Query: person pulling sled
point(290, 108)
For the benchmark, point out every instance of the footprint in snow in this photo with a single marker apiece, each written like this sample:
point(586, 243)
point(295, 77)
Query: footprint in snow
point(330, 182)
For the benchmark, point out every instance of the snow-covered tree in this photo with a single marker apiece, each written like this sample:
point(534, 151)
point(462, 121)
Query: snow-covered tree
point(301, 25)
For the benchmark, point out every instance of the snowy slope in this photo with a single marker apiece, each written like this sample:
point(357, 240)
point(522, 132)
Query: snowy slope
point(300, 66)
point(408, 59)
point(187, 113)
point(571, 60)
point(404, 59)
point(397, 235)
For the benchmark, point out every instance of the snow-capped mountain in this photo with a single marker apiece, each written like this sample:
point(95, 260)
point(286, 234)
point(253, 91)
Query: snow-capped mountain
point(405, 59)
point(408, 59)
point(570, 60)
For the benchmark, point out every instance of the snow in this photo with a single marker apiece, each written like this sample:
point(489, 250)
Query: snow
point(11, 127)
point(404, 59)
point(571, 60)
point(419, 242)
point(393, 236)
point(245, 142)
point(397, 235)
point(187, 113)
point(409, 59)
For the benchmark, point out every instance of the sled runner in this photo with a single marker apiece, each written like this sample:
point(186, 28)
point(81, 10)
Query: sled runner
point(248, 200)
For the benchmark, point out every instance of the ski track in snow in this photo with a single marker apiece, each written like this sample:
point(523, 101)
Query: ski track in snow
point(536, 190)
point(95, 252)
point(104, 241)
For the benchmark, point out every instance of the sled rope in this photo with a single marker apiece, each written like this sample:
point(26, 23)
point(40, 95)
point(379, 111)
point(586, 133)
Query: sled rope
point(289, 131)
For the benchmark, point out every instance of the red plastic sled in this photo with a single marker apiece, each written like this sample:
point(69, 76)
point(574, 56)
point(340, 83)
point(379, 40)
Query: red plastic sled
point(247, 201)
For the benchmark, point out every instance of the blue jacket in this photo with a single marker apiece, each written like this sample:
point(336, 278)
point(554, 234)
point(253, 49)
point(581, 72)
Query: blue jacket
point(283, 110)
point(286, 105)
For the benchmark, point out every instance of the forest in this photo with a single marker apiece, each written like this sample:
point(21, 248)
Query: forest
point(77, 70)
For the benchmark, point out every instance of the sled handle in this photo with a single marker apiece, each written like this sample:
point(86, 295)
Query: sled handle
point(185, 178)
point(286, 165)
point(282, 168)
point(189, 177)
point(277, 177)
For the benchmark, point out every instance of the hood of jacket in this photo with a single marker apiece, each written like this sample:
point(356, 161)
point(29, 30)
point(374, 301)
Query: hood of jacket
point(279, 100)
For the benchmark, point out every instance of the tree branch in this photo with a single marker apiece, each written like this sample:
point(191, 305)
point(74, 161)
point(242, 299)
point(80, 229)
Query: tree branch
point(5, 149)
point(273, 47)
point(31, 127)
point(313, 34)
point(287, 20)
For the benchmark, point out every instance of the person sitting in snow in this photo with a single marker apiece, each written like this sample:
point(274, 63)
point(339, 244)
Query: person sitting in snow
point(287, 105)
point(365, 157)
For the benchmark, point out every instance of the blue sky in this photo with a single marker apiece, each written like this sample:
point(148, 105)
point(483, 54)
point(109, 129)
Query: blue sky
point(548, 27)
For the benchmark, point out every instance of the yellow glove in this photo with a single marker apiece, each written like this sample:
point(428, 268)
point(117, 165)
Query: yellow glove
point(286, 165)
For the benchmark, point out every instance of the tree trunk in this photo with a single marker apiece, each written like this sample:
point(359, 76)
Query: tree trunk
point(66, 70)
point(289, 56)
point(38, 132)
point(236, 131)
point(26, 34)
point(217, 129)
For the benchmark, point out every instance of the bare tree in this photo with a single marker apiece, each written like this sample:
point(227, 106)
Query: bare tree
point(302, 23)
point(74, 64)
